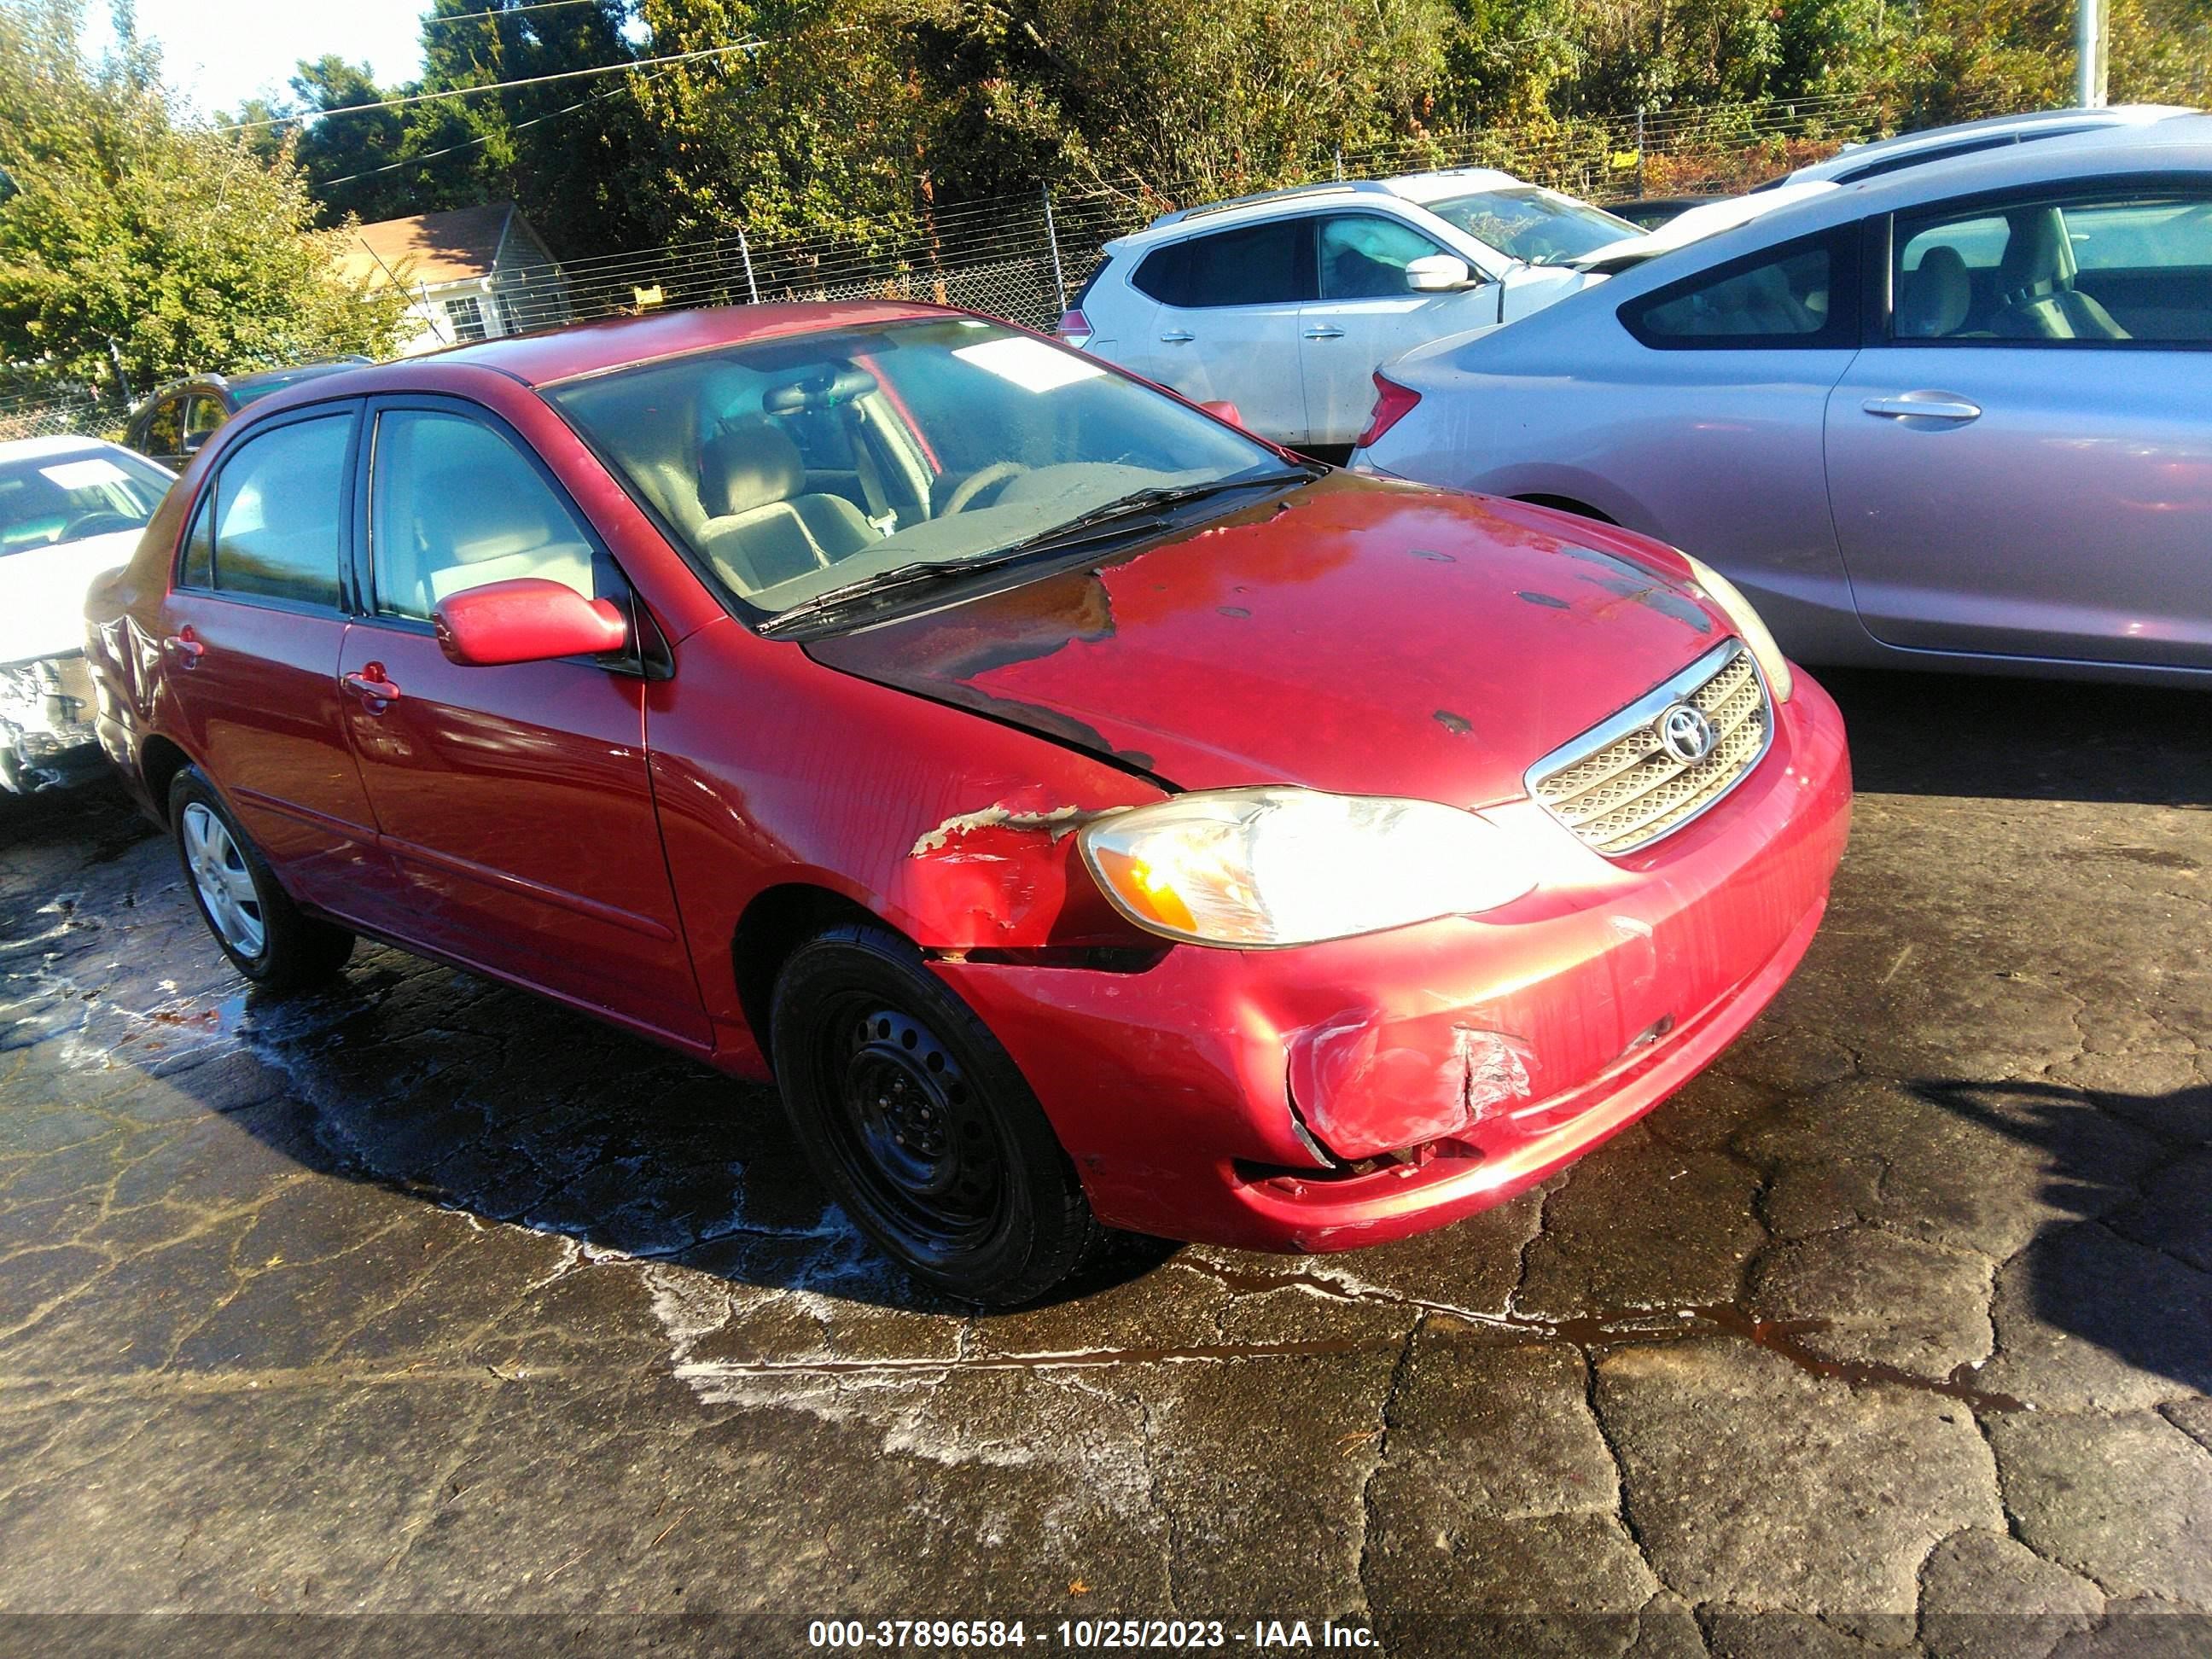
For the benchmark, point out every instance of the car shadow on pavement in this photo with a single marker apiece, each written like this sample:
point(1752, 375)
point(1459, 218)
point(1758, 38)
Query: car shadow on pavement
point(2111, 1302)
point(2018, 739)
point(477, 1097)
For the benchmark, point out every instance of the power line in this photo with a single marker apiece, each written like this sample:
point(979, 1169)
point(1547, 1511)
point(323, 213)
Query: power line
point(483, 137)
point(756, 43)
point(497, 12)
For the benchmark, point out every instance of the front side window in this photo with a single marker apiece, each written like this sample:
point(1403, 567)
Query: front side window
point(988, 439)
point(1799, 295)
point(1270, 264)
point(279, 514)
point(455, 506)
point(1364, 255)
point(57, 495)
point(1528, 222)
point(202, 416)
point(2132, 266)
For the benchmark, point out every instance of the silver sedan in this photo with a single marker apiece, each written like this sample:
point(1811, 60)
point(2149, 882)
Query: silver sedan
point(1956, 418)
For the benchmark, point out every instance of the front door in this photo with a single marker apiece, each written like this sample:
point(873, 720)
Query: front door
point(514, 801)
point(2024, 467)
point(253, 629)
point(1366, 315)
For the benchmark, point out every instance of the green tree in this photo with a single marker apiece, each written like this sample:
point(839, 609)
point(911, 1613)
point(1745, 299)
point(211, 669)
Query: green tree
point(185, 249)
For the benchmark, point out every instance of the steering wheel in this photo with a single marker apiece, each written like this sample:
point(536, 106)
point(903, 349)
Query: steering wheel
point(102, 523)
point(975, 483)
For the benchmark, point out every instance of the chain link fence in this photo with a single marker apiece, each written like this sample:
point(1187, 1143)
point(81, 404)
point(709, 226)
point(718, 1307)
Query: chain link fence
point(1024, 257)
point(48, 412)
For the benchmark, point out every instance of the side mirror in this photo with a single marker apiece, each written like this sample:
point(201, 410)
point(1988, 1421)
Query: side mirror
point(1438, 273)
point(528, 619)
point(1222, 410)
point(193, 442)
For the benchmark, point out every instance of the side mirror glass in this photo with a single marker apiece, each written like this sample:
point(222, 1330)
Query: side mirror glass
point(527, 619)
point(1438, 273)
point(1221, 409)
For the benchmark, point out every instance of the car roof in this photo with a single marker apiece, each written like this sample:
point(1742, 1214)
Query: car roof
point(1898, 150)
point(596, 348)
point(2182, 143)
point(1415, 187)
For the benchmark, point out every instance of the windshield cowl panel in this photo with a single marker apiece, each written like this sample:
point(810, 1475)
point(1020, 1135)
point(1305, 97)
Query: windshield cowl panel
point(797, 472)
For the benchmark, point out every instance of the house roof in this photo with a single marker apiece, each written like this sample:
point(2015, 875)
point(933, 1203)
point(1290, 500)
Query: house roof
point(429, 248)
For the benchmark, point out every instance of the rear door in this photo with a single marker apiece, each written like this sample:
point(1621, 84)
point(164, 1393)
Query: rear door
point(514, 801)
point(1366, 315)
point(2021, 463)
point(255, 624)
point(1227, 326)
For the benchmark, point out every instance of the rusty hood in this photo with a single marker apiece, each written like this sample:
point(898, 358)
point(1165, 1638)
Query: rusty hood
point(1357, 634)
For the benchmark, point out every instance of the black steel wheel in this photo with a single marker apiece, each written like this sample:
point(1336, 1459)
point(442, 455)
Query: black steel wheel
point(919, 1123)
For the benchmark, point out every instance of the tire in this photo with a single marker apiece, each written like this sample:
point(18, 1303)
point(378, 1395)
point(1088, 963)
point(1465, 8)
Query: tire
point(267, 939)
point(919, 1123)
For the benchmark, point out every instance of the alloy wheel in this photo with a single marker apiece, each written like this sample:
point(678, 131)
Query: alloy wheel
point(226, 885)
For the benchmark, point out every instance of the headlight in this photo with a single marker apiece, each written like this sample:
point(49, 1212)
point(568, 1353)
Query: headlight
point(1741, 615)
point(1262, 868)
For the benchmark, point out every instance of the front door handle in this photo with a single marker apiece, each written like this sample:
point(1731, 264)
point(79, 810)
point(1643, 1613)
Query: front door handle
point(370, 685)
point(1324, 333)
point(185, 646)
point(1177, 336)
point(1930, 405)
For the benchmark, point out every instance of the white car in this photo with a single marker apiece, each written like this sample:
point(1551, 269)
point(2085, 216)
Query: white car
point(70, 508)
point(1286, 304)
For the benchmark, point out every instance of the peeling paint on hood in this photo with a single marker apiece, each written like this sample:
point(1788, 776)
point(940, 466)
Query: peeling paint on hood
point(1313, 640)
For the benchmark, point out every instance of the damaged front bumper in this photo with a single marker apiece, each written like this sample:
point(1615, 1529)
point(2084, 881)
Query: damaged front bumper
point(47, 729)
point(1349, 1093)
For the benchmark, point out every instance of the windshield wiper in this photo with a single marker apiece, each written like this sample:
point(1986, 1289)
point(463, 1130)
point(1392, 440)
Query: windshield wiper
point(1141, 509)
point(1148, 503)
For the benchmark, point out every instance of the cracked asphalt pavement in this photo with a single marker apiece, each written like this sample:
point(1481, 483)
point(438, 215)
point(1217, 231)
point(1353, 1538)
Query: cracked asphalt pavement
point(1891, 1333)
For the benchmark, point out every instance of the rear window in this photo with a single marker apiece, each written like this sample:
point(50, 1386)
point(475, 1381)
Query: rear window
point(1802, 295)
point(1271, 264)
point(278, 514)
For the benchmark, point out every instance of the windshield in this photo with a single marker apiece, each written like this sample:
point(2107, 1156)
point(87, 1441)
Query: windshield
point(1538, 226)
point(794, 466)
point(67, 494)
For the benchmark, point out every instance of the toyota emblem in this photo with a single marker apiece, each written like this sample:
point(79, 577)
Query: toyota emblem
point(1685, 733)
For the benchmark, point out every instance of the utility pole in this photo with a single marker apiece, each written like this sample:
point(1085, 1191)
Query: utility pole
point(2091, 46)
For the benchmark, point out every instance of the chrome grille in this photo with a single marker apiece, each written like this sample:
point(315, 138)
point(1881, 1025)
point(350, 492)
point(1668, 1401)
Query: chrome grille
point(1618, 788)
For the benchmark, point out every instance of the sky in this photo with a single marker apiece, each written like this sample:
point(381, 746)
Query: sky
point(221, 53)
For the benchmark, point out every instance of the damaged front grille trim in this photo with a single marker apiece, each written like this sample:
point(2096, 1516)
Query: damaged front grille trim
point(1685, 687)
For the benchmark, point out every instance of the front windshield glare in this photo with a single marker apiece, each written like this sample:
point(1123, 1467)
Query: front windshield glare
point(67, 495)
point(794, 466)
point(1539, 226)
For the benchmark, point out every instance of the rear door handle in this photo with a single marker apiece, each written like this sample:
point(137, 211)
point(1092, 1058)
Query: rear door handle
point(369, 683)
point(1324, 333)
point(1177, 338)
point(1926, 404)
point(185, 646)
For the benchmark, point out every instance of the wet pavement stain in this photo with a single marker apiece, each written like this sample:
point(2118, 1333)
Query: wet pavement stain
point(421, 1293)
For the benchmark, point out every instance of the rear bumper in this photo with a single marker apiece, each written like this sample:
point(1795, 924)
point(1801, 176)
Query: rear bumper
point(1219, 1096)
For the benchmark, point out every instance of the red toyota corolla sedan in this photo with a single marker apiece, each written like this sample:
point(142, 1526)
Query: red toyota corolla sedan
point(1090, 815)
